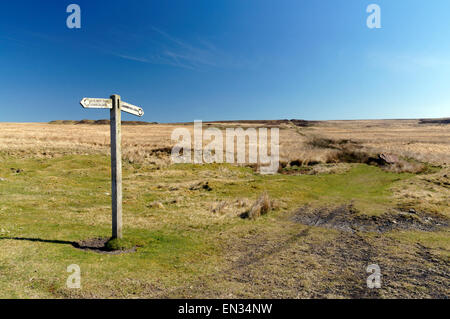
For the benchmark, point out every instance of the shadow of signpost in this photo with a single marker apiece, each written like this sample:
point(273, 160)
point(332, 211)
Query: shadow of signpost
point(52, 241)
point(94, 244)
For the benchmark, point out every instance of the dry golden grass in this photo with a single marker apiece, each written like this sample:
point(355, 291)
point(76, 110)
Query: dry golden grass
point(424, 142)
point(151, 144)
point(261, 207)
point(428, 192)
point(139, 143)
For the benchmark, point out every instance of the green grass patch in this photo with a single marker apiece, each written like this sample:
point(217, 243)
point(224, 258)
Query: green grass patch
point(47, 204)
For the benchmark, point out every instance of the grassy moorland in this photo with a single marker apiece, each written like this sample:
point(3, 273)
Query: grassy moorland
point(324, 222)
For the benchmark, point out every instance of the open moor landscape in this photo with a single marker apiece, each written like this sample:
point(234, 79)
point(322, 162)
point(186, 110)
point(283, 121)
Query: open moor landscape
point(347, 194)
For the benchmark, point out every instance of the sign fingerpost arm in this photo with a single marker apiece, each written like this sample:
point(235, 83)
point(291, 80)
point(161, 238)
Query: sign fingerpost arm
point(116, 166)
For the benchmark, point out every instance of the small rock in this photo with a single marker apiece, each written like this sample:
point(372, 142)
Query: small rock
point(2, 179)
point(388, 158)
point(156, 205)
point(428, 219)
point(412, 211)
point(159, 205)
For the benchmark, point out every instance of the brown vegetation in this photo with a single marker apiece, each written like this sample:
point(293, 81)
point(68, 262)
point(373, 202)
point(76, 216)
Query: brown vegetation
point(261, 207)
point(301, 143)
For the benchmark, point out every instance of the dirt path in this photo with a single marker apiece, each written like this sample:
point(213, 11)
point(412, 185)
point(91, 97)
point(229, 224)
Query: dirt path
point(299, 262)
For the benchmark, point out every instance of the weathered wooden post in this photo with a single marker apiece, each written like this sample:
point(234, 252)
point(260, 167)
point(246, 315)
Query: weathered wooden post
point(116, 166)
point(116, 106)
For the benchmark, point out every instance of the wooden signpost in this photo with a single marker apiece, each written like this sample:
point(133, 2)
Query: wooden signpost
point(116, 106)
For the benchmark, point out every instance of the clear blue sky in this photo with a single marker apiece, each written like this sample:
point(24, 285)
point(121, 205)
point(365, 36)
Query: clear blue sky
point(226, 59)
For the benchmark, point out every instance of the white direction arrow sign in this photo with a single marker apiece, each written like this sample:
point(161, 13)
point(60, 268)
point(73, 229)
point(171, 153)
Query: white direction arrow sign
point(133, 109)
point(89, 103)
point(92, 103)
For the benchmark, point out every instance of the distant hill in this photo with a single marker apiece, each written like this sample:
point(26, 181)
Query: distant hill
point(99, 122)
point(435, 121)
point(296, 122)
point(273, 122)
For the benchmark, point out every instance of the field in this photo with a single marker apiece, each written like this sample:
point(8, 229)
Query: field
point(224, 230)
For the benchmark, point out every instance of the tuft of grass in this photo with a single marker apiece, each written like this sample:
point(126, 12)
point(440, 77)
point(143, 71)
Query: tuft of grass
point(220, 207)
point(261, 207)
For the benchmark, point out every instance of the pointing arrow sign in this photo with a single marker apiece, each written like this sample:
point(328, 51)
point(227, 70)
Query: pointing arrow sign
point(133, 109)
point(90, 103)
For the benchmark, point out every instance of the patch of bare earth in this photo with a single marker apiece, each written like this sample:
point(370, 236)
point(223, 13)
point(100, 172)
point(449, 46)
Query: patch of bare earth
point(347, 218)
point(98, 245)
point(293, 260)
